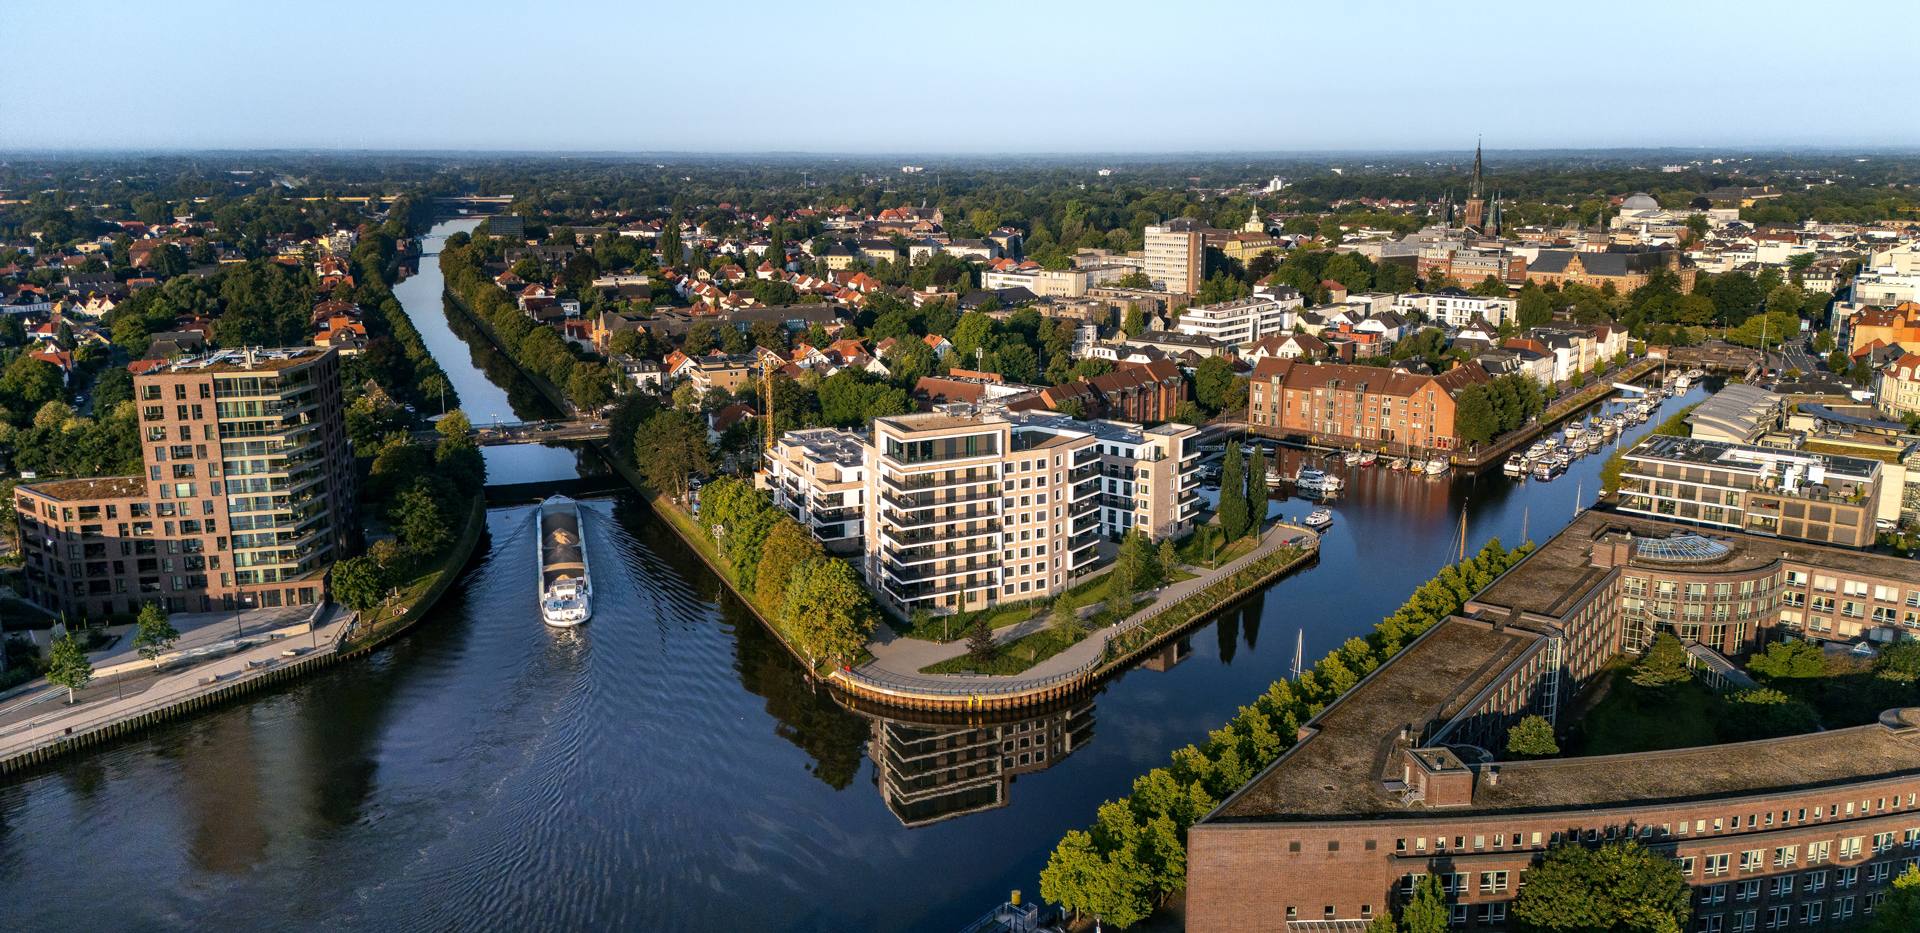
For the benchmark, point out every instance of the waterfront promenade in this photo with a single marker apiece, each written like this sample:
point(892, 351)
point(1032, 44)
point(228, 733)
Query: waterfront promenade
point(894, 673)
point(216, 652)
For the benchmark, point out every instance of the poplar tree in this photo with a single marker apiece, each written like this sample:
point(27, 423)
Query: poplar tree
point(1233, 494)
point(1256, 489)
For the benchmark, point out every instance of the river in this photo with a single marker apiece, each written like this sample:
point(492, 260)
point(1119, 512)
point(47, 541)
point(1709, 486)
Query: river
point(666, 767)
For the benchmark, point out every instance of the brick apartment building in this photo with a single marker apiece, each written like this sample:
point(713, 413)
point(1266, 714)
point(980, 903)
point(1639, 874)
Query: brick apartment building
point(1141, 392)
point(1388, 784)
point(1360, 404)
point(247, 499)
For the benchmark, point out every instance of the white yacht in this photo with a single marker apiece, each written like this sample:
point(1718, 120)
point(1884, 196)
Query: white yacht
point(565, 589)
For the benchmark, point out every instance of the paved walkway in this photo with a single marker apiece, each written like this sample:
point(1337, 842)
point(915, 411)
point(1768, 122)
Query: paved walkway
point(215, 650)
point(898, 660)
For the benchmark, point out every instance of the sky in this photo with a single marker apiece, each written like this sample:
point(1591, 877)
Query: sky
point(980, 77)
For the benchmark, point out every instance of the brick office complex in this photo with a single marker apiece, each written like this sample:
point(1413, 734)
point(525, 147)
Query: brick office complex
point(1389, 783)
point(247, 499)
point(1358, 403)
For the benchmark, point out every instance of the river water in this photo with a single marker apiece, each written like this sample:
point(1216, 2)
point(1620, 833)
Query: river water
point(666, 767)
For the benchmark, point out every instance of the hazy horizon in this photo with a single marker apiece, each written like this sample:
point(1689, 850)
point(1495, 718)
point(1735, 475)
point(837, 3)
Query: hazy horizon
point(597, 77)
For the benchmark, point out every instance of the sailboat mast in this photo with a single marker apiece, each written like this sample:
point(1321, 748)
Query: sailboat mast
point(1299, 650)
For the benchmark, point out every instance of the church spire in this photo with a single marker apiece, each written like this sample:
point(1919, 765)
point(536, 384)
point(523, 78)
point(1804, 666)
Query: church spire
point(1477, 188)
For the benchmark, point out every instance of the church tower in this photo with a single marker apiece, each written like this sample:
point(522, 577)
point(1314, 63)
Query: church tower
point(1476, 210)
point(1254, 224)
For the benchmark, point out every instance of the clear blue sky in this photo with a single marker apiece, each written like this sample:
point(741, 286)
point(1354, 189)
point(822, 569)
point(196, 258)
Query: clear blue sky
point(976, 77)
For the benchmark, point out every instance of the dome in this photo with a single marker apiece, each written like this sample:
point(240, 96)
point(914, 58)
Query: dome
point(1640, 201)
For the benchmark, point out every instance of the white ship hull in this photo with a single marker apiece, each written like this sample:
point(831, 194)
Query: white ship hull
point(565, 587)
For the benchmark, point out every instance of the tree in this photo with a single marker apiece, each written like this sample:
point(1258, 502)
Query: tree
point(1532, 737)
point(1167, 559)
point(670, 447)
point(1789, 660)
point(1764, 713)
point(1080, 878)
point(1664, 663)
point(436, 387)
point(359, 582)
point(1426, 911)
point(1620, 886)
point(827, 611)
point(1256, 489)
point(1133, 323)
point(980, 645)
point(787, 546)
point(68, 665)
point(1213, 382)
point(421, 517)
point(1234, 516)
point(153, 634)
point(1900, 912)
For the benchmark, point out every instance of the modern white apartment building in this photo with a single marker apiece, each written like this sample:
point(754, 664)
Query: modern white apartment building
point(1055, 283)
point(971, 509)
point(1457, 307)
point(1244, 321)
point(820, 477)
point(1175, 256)
point(971, 505)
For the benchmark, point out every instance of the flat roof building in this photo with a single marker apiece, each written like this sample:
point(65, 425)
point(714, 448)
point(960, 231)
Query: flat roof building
point(1824, 498)
point(1397, 778)
point(247, 499)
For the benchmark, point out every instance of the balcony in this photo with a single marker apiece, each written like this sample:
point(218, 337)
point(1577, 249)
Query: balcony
point(903, 538)
point(1085, 490)
point(922, 573)
point(902, 520)
point(1083, 539)
point(925, 553)
point(930, 500)
point(938, 479)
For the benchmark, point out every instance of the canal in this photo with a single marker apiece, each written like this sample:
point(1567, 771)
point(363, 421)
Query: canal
point(666, 767)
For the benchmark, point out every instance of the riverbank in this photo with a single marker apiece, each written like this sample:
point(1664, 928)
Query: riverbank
point(210, 664)
point(419, 595)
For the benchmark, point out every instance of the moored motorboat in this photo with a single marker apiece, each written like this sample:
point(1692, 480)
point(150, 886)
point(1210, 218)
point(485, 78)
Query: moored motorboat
point(1318, 519)
point(1316, 482)
point(1437, 466)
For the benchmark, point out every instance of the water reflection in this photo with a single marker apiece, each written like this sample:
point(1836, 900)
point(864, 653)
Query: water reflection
point(930, 768)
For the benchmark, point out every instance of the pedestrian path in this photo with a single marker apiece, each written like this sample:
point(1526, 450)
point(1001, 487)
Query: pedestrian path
point(897, 661)
point(215, 651)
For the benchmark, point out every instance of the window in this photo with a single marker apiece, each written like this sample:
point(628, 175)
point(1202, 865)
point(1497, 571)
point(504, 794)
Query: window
point(1716, 864)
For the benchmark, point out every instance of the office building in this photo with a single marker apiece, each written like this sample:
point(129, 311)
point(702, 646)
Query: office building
point(247, 498)
point(1385, 785)
point(1823, 498)
point(1176, 255)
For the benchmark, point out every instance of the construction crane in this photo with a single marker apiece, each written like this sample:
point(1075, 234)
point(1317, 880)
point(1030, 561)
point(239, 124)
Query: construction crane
point(766, 400)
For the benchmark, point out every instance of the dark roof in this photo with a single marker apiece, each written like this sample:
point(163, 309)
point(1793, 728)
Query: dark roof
point(1555, 261)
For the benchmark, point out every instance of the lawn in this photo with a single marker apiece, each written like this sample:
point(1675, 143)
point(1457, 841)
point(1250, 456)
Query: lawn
point(954, 627)
point(1198, 549)
point(1013, 657)
point(1626, 717)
